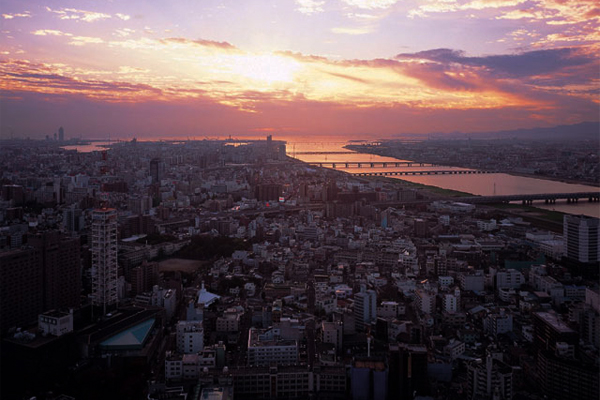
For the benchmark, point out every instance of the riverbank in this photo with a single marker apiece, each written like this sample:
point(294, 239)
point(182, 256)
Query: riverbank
point(436, 191)
point(380, 152)
point(538, 217)
point(553, 179)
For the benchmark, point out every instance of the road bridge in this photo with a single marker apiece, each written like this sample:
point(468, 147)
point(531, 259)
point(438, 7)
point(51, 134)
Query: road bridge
point(432, 172)
point(548, 198)
point(369, 164)
point(322, 153)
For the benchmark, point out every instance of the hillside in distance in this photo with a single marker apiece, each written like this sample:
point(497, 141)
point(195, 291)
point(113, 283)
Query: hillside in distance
point(580, 131)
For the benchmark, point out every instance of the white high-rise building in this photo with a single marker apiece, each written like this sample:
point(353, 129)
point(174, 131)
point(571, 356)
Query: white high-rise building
point(365, 308)
point(104, 258)
point(582, 238)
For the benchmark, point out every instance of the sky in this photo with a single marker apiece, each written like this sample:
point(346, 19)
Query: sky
point(295, 68)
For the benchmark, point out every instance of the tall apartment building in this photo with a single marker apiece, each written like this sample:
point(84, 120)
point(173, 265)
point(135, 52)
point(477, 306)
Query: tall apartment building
point(104, 258)
point(489, 379)
point(582, 239)
point(425, 301)
point(365, 308)
point(143, 277)
point(450, 303)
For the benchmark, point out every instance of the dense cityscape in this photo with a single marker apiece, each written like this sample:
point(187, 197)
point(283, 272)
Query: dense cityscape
point(299, 200)
point(222, 269)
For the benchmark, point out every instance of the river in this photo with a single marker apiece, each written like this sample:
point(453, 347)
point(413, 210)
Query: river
point(477, 184)
point(88, 148)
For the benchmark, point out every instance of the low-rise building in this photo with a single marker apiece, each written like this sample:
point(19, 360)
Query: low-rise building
point(264, 352)
point(55, 323)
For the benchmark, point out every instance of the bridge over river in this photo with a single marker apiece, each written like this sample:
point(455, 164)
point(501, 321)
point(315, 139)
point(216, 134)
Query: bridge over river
point(548, 198)
point(431, 172)
point(370, 164)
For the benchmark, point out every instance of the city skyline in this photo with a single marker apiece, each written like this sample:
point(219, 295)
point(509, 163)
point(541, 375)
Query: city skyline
point(356, 67)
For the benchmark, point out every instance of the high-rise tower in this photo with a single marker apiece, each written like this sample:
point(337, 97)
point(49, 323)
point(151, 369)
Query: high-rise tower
point(157, 170)
point(104, 258)
point(582, 238)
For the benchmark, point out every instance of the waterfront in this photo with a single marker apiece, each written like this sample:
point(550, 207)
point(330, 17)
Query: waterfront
point(484, 184)
point(332, 150)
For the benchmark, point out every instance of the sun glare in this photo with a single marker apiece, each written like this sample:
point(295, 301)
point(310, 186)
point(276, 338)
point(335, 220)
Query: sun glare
point(265, 67)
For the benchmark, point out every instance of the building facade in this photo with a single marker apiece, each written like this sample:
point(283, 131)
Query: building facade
point(104, 258)
point(582, 241)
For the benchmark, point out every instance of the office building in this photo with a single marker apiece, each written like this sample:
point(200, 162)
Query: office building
point(190, 337)
point(563, 377)
point(104, 258)
point(264, 352)
point(157, 170)
point(333, 332)
point(268, 192)
point(408, 371)
point(73, 219)
point(509, 279)
point(369, 379)
point(549, 330)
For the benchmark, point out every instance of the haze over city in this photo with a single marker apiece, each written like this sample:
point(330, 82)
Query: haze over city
point(360, 67)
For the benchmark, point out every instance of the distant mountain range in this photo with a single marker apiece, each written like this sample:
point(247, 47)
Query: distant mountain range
point(581, 131)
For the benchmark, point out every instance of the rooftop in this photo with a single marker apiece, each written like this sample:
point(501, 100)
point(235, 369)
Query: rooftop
point(555, 322)
point(132, 338)
point(205, 297)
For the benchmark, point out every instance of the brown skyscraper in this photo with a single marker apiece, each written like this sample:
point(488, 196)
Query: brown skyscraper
point(21, 297)
point(44, 276)
point(61, 270)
